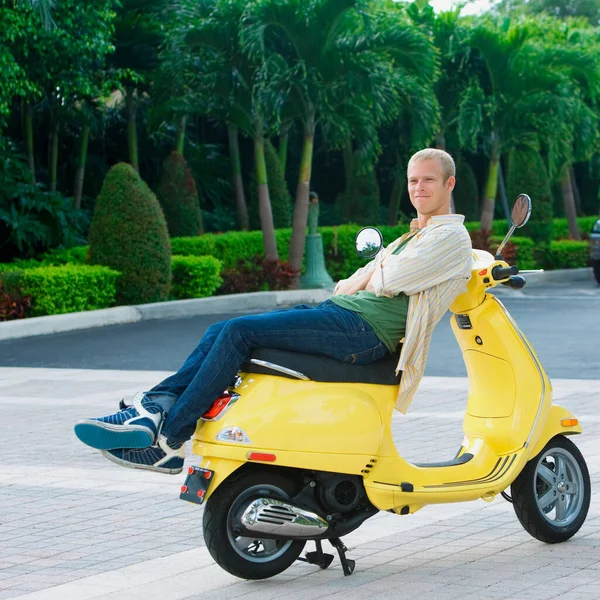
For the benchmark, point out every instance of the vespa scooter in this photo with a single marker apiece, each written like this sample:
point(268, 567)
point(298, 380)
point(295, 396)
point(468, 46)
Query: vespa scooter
point(300, 448)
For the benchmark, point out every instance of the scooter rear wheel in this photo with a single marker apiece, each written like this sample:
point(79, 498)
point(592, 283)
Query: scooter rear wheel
point(551, 496)
point(247, 557)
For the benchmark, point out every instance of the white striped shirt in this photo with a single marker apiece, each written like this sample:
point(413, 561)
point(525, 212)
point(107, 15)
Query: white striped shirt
point(432, 269)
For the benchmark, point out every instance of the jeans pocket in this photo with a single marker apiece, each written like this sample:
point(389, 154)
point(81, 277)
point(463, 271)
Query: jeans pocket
point(366, 357)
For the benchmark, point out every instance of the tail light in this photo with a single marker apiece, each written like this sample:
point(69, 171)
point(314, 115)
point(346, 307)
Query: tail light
point(220, 406)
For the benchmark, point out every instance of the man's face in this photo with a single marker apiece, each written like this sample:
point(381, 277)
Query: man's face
point(428, 191)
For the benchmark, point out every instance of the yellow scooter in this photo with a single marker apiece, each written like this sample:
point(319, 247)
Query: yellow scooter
point(300, 448)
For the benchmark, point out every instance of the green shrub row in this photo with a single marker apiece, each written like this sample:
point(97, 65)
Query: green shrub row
point(560, 227)
point(195, 276)
point(66, 289)
point(72, 288)
point(568, 254)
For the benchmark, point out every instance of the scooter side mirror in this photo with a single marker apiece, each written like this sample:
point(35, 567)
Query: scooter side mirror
point(521, 210)
point(520, 215)
point(368, 242)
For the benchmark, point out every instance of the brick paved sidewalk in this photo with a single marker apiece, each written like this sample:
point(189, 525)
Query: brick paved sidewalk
point(74, 526)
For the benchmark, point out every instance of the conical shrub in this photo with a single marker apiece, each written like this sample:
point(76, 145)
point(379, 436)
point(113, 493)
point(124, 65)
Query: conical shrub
point(178, 197)
point(466, 192)
point(129, 234)
point(527, 174)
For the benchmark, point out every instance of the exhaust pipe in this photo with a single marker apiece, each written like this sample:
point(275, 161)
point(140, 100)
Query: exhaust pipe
point(276, 518)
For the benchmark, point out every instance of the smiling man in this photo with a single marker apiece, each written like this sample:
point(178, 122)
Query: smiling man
point(399, 296)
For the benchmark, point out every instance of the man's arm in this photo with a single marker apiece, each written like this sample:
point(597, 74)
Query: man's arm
point(425, 262)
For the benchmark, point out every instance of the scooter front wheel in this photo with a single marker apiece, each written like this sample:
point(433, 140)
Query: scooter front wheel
point(247, 557)
point(551, 496)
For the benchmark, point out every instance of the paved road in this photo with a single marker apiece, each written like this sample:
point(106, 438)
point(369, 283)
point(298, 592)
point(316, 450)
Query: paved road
point(562, 323)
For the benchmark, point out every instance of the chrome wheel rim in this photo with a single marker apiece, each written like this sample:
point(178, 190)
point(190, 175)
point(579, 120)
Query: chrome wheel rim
point(559, 487)
point(250, 548)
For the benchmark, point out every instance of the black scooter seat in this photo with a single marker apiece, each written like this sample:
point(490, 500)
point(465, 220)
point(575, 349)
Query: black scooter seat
point(322, 368)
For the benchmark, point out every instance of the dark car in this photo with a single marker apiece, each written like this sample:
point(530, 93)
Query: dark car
point(595, 249)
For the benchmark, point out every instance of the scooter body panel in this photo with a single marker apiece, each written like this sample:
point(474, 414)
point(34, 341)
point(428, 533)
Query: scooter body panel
point(346, 427)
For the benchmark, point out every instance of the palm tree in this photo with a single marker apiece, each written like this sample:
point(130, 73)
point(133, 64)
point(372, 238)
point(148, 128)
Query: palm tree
point(337, 72)
point(227, 91)
point(138, 35)
point(518, 94)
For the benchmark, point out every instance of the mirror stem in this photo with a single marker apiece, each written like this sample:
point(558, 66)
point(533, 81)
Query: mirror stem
point(504, 241)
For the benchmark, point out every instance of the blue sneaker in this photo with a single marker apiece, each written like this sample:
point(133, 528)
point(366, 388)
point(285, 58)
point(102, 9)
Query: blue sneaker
point(135, 426)
point(163, 458)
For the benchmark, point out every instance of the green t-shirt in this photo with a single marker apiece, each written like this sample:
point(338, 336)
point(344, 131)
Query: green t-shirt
point(387, 316)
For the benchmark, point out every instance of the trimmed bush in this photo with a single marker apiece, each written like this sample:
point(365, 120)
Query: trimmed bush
point(466, 192)
point(129, 234)
point(360, 202)
point(523, 250)
point(527, 173)
point(71, 288)
point(281, 201)
point(178, 197)
point(568, 254)
point(195, 276)
point(258, 274)
point(77, 255)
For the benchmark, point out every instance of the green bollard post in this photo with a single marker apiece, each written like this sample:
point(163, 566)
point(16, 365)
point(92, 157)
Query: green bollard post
point(316, 275)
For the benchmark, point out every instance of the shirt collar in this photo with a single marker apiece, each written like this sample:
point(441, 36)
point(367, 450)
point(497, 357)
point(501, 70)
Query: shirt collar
point(439, 220)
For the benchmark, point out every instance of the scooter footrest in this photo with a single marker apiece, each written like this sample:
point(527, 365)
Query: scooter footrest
point(319, 558)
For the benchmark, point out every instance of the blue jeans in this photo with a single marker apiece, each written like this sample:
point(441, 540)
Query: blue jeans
point(325, 329)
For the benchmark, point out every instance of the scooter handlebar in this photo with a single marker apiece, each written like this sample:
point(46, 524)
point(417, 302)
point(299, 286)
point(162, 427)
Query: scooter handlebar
point(499, 273)
point(516, 282)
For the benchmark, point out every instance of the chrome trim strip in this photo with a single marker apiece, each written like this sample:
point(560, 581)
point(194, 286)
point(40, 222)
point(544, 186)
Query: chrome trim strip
point(537, 364)
point(274, 367)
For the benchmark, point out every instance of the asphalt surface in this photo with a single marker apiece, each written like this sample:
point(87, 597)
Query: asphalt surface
point(561, 322)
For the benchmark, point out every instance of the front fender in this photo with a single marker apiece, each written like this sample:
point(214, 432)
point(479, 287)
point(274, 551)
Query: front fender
point(554, 427)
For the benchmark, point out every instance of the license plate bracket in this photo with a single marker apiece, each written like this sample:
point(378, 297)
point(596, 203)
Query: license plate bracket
point(196, 485)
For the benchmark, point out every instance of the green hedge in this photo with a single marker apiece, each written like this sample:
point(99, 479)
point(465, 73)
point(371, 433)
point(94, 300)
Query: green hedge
point(568, 254)
point(70, 288)
point(524, 247)
point(195, 276)
point(560, 227)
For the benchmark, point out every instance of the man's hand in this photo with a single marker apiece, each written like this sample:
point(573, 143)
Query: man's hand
point(370, 287)
point(353, 284)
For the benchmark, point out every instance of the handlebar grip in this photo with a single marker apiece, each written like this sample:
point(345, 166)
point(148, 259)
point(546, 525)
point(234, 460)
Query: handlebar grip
point(516, 282)
point(499, 273)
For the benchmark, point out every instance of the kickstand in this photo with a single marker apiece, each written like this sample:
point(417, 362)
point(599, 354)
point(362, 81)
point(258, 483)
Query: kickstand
point(318, 557)
point(347, 564)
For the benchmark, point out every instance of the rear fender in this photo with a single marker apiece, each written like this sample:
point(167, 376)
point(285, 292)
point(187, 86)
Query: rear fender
point(554, 427)
point(222, 467)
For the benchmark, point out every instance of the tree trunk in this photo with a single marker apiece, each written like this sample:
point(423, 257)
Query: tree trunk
point(28, 122)
point(569, 204)
point(53, 158)
point(490, 191)
point(348, 156)
point(264, 202)
point(301, 206)
point(180, 139)
point(282, 151)
point(238, 184)
point(80, 173)
point(395, 196)
point(576, 193)
point(132, 141)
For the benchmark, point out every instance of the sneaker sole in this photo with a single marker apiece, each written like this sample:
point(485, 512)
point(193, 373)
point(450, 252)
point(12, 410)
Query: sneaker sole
point(104, 436)
point(130, 465)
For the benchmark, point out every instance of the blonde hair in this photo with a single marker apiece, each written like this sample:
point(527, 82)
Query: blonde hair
point(447, 162)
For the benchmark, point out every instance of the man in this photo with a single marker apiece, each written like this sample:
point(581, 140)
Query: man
point(400, 295)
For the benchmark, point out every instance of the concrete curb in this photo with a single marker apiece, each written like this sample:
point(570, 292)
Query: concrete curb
point(217, 304)
point(159, 310)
